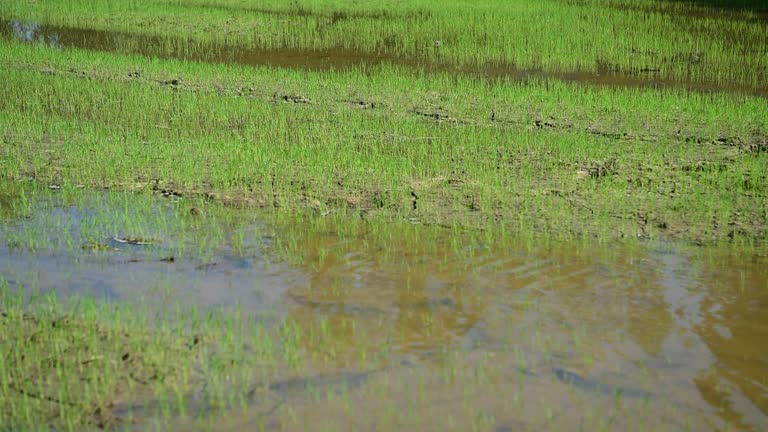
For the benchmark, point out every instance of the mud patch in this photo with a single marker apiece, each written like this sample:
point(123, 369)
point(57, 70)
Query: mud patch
point(364, 104)
point(291, 98)
point(439, 115)
point(599, 169)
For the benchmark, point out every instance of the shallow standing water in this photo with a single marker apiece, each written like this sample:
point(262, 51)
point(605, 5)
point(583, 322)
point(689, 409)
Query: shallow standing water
point(338, 59)
point(499, 335)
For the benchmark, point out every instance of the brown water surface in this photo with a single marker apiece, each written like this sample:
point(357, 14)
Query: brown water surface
point(338, 59)
point(485, 333)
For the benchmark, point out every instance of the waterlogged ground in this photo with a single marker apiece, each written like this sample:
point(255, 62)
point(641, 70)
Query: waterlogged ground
point(401, 326)
point(456, 228)
point(338, 59)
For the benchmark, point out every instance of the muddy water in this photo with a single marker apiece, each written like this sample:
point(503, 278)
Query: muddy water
point(485, 334)
point(328, 59)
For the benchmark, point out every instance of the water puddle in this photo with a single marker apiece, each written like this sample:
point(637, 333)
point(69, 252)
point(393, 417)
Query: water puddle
point(500, 335)
point(701, 9)
point(338, 59)
point(125, 247)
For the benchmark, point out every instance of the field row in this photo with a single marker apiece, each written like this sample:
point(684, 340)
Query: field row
point(647, 40)
point(537, 155)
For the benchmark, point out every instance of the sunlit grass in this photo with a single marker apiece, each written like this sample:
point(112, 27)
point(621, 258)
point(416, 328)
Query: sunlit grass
point(452, 193)
point(538, 156)
point(673, 40)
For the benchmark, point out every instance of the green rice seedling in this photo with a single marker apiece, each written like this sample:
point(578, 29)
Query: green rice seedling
point(69, 368)
point(566, 176)
point(656, 40)
point(428, 192)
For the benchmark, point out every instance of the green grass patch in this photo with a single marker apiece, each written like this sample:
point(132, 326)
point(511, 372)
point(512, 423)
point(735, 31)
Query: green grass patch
point(681, 41)
point(541, 156)
point(68, 367)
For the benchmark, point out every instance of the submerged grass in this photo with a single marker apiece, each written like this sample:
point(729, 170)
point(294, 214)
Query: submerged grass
point(447, 323)
point(71, 219)
point(65, 370)
point(72, 363)
point(78, 363)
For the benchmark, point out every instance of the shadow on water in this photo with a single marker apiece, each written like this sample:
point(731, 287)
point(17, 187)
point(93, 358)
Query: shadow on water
point(591, 385)
point(759, 7)
point(574, 324)
point(338, 59)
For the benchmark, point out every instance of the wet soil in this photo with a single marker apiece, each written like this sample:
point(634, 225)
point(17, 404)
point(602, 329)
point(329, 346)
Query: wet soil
point(701, 9)
point(339, 59)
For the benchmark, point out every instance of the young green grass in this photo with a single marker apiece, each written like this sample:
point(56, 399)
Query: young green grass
point(537, 156)
point(423, 178)
point(651, 39)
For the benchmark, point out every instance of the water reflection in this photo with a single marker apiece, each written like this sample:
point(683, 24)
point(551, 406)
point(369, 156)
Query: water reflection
point(676, 332)
point(33, 32)
point(733, 327)
point(646, 320)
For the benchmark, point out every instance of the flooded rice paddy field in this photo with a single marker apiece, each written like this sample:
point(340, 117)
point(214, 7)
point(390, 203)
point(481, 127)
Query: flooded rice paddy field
point(216, 215)
point(398, 325)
